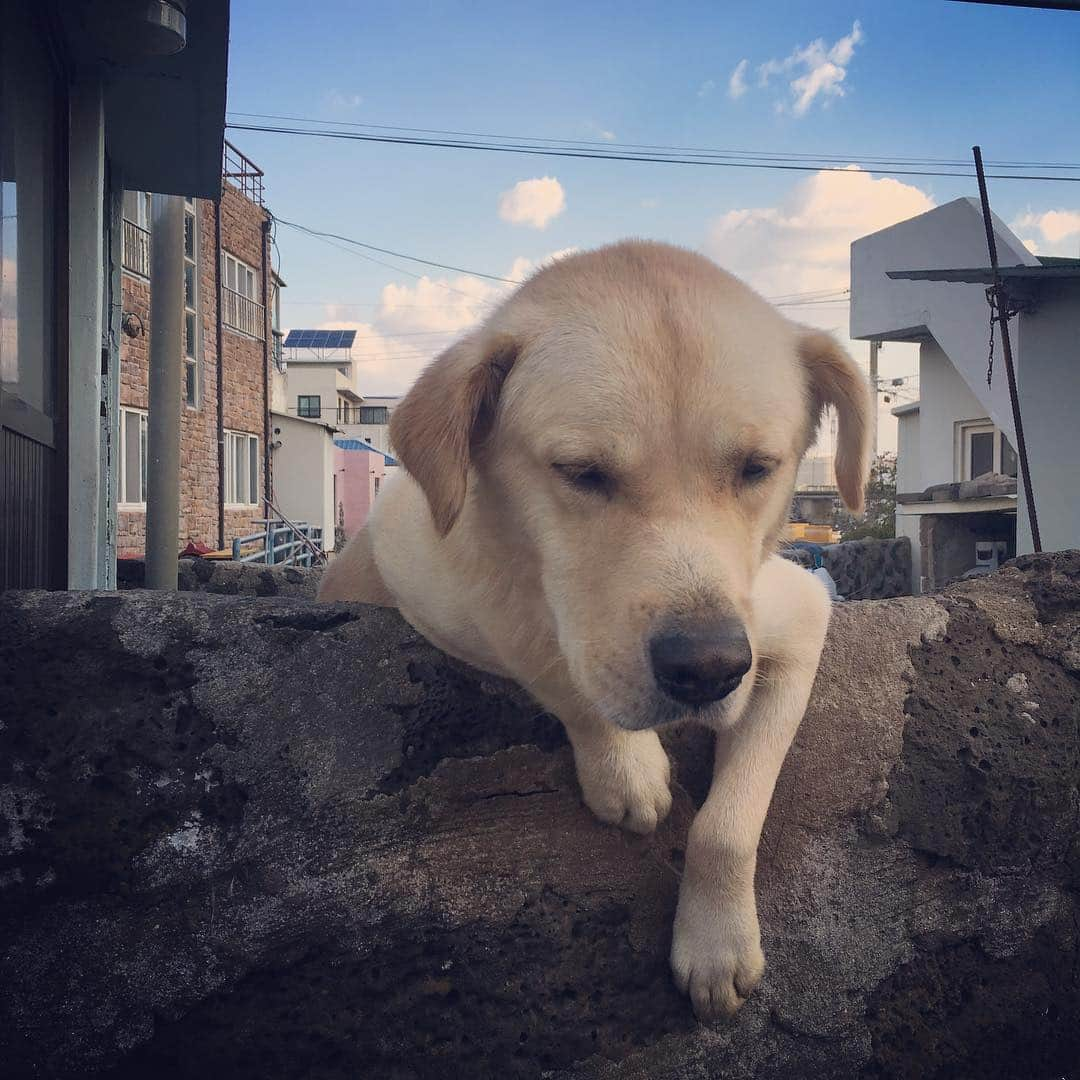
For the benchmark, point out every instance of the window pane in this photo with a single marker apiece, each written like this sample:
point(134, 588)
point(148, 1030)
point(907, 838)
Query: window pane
point(189, 334)
point(253, 469)
point(982, 453)
point(238, 469)
point(189, 236)
point(230, 273)
point(28, 176)
point(1008, 457)
point(132, 467)
point(189, 285)
point(144, 457)
point(191, 383)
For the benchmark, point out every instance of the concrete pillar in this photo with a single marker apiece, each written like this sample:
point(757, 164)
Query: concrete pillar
point(86, 150)
point(166, 368)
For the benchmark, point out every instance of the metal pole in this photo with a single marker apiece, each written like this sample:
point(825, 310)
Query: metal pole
point(163, 425)
point(875, 348)
point(1001, 303)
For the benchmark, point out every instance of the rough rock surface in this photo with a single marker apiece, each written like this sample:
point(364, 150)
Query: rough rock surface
point(864, 569)
point(228, 578)
point(264, 838)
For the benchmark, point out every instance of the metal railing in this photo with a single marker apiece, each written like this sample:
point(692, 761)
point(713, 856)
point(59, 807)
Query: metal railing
point(241, 313)
point(136, 249)
point(279, 543)
point(242, 173)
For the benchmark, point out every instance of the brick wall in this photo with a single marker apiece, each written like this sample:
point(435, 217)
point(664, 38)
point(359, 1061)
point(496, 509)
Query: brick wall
point(244, 372)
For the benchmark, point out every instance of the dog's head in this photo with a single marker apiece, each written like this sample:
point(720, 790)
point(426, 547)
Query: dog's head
point(632, 420)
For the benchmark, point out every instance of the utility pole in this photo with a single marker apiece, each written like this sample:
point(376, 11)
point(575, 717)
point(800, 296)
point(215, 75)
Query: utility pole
point(875, 348)
point(163, 425)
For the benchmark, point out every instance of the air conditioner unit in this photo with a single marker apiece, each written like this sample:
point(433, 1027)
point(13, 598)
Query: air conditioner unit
point(990, 554)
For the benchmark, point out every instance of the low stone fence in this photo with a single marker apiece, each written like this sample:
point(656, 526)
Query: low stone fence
point(227, 578)
point(864, 569)
point(262, 837)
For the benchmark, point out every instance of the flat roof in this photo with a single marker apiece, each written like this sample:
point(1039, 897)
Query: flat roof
point(1049, 267)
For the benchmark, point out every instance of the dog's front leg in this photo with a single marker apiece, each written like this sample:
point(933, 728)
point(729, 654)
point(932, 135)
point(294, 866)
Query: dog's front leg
point(624, 775)
point(716, 950)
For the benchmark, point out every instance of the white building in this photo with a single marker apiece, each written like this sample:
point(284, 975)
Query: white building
point(924, 281)
point(319, 380)
point(370, 422)
point(305, 480)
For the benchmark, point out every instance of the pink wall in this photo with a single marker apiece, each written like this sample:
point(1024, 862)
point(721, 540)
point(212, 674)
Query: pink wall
point(356, 473)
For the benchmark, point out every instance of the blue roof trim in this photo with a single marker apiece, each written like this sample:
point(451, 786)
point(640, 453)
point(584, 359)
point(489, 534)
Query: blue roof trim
point(357, 444)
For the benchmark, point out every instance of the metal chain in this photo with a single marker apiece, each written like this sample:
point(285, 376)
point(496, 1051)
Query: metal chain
point(990, 299)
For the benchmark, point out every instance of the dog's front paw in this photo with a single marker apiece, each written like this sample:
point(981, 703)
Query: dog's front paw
point(716, 954)
point(625, 782)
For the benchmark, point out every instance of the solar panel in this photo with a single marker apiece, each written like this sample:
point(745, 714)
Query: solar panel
point(320, 339)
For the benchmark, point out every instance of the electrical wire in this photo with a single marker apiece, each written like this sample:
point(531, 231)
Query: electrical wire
point(695, 150)
point(595, 155)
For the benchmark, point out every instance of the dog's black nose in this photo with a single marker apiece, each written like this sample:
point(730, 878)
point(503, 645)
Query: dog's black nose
point(702, 660)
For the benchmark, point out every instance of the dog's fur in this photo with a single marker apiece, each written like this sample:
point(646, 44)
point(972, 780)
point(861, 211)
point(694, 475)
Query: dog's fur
point(576, 476)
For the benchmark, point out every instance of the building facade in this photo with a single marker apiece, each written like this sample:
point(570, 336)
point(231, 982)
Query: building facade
point(959, 498)
point(227, 358)
point(95, 100)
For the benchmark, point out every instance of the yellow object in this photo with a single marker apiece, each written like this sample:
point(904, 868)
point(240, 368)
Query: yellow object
point(815, 534)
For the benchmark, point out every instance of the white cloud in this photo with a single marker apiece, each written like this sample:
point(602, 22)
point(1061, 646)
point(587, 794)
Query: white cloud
point(649, 202)
point(737, 82)
point(607, 136)
point(340, 100)
point(804, 243)
point(1060, 230)
point(533, 202)
point(814, 71)
point(418, 320)
point(706, 88)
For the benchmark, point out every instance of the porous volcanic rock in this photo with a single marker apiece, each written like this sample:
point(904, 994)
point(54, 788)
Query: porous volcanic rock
point(262, 837)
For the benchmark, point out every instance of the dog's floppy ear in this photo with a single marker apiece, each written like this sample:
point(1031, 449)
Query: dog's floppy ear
point(835, 380)
point(447, 413)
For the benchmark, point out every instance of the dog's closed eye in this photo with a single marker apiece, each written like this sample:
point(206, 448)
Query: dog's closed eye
point(586, 478)
point(755, 470)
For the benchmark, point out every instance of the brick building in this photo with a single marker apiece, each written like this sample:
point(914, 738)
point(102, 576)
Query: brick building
point(228, 352)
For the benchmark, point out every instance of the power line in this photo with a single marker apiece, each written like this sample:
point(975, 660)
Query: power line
point(569, 152)
point(398, 254)
point(695, 150)
point(389, 266)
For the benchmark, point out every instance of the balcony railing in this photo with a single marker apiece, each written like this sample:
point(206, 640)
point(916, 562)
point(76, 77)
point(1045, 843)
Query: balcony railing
point(136, 254)
point(242, 173)
point(238, 312)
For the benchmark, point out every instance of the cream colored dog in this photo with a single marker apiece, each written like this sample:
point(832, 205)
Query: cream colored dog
point(596, 482)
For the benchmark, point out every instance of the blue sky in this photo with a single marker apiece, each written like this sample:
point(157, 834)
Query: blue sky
point(922, 78)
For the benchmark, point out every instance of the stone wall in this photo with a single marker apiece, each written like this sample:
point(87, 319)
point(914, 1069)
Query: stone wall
point(264, 838)
point(864, 569)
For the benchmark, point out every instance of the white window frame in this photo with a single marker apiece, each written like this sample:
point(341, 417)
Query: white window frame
point(242, 493)
point(965, 429)
point(240, 270)
point(192, 359)
point(124, 501)
point(142, 209)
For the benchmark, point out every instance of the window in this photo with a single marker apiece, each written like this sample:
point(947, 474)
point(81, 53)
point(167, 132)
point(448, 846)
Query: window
point(240, 307)
point(374, 414)
point(191, 306)
point(376, 485)
point(239, 277)
point(309, 405)
point(137, 208)
point(132, 481)
point(241, 469)
point(983, 448)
